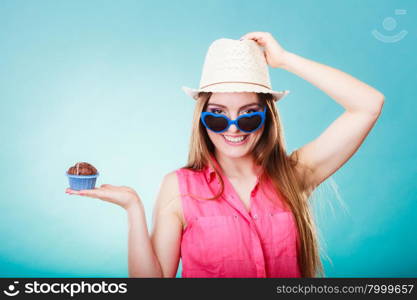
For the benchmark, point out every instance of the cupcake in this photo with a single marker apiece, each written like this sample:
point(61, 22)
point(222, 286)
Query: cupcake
point(82, 176)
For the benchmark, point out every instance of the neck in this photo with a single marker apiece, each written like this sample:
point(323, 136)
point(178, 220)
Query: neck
point(237, 168)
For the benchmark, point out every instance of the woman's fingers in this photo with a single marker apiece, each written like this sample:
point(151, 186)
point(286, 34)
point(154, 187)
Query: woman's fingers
point(71, 191)
point(254, 35)
point(260, 37)
point(273, 51)
point(250, 35)
point(94, 193)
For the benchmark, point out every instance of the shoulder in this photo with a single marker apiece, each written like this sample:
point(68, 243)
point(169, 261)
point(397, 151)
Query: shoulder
point(189, 172)
point(170, 181)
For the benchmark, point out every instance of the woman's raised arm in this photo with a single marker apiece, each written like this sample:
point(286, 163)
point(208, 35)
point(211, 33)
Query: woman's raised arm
point(341, 139)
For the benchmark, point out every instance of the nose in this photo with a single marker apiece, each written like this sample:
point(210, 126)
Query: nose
point(233, 128)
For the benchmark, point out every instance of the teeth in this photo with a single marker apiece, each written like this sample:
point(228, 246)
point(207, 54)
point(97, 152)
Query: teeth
point(234, 140)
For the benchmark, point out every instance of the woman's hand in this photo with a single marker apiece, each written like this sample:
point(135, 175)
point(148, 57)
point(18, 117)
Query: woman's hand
point(123, 196)
point(274, 53)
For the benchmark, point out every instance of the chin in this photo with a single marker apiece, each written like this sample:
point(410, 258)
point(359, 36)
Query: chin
point(233, 153)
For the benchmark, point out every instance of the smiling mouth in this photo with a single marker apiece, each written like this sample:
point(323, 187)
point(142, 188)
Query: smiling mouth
point(235, 140)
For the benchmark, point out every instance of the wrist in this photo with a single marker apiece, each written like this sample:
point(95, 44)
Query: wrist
point(286, 60)
point(133, 204)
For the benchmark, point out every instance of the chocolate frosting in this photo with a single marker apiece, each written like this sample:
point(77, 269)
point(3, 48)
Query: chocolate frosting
point(82, 168)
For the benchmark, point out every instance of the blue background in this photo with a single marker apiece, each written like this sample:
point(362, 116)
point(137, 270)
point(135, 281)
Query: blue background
point(99, 81)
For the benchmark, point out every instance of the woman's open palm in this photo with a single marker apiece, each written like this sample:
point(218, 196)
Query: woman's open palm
point(123, 196)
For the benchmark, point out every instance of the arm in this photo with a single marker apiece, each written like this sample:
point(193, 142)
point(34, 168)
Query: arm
point(167, 226)
point(349, 92)
point(362, 103)
point(142, 261)
point(158, 255)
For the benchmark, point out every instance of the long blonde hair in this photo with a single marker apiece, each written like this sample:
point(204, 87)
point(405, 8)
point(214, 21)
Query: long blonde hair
point(270, 153)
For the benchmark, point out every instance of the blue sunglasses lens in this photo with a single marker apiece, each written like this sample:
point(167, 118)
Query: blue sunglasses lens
point(249, 123)
point(216, 123)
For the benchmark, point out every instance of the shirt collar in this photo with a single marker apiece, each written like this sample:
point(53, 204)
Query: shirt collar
point(209, 171)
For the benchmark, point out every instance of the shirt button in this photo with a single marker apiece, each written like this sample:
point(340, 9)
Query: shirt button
point(255, 216)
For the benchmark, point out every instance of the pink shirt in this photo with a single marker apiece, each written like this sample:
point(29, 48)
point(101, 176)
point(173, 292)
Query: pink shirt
point(223, 239)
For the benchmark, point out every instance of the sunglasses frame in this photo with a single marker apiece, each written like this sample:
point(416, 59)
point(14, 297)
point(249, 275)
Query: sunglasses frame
point(235, 121)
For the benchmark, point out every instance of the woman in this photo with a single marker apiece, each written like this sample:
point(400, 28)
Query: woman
point(239, 208)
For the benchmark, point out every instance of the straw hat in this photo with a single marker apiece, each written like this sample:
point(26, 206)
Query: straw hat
point(235, 66)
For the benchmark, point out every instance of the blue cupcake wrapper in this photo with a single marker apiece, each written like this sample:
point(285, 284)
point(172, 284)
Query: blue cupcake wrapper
point(82, 182)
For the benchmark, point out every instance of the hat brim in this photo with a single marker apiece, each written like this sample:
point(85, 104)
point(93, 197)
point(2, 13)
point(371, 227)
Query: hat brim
point(232, 87)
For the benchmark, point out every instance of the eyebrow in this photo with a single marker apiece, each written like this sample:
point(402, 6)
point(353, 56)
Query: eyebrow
point(223, 106)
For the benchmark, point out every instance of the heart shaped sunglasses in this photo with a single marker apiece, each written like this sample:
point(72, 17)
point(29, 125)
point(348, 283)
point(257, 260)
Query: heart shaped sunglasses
point(247, 123)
